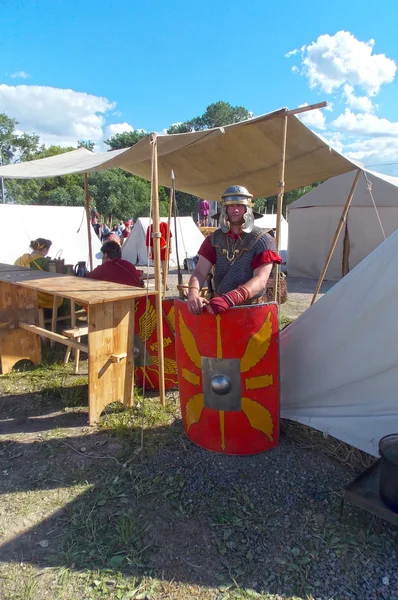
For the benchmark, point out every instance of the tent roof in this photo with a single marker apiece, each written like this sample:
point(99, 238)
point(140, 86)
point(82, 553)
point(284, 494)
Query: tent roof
point(334, 192)
point(205, 163)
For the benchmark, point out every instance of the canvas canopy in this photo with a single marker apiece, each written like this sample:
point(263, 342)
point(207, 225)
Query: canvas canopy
point(205, 163)
point(314, 217)
point(339, 359)
point(65, 226)
point(188, 235)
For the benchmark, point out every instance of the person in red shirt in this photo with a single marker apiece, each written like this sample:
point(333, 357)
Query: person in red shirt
point(164, 229)
point(240, 254)
point(114, 268)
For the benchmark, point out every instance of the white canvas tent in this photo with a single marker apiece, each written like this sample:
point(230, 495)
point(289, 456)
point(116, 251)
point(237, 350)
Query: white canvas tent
point(339, 359)
point(268, 221)
point(188, 235)
point(206, 162)
point(314, 217)
point(65, 226)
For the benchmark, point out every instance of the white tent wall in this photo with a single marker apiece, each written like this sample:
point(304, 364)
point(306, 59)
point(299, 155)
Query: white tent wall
point(188, 235)
point(65, 226)
point(313, 220)
point(268, 221)
point(313, 230)
point(339, 359)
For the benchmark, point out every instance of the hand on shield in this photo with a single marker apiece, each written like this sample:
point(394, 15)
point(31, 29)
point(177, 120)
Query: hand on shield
point(196, 305)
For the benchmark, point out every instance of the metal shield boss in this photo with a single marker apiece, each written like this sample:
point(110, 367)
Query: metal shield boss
point(146, 344)
point(228, 375)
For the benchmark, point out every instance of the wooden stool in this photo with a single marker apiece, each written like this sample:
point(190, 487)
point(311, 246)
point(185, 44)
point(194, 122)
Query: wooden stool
point(76, 334)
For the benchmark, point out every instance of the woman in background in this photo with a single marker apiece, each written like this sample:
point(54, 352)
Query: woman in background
point(37, 260)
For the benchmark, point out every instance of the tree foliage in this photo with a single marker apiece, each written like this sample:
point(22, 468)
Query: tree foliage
point(216, 115)
point(125, 139)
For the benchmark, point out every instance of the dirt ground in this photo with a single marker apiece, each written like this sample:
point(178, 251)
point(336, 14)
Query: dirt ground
point(131, 509)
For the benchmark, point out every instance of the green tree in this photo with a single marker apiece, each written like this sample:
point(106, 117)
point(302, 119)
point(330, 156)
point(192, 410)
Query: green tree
point(88, 144)
point(216, 115)
point(125, 139)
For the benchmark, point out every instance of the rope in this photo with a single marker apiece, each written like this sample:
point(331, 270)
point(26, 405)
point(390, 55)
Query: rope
point(369, 186)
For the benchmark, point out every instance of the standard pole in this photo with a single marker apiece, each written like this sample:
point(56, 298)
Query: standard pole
point(87, 203)
point(166, 268)
point(342, 221)
point(280, 205)
point(156, 256)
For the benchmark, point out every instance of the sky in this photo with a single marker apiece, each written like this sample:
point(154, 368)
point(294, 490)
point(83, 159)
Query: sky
point(87, 69)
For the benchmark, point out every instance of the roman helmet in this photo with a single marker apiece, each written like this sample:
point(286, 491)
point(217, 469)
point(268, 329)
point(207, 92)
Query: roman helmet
point(237, 194)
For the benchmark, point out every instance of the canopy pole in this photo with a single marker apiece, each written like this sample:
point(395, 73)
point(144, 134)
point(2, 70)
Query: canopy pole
point(280, 205)
point(156, 257)
point(87, 203)
point(166, 269)
point(340, 225)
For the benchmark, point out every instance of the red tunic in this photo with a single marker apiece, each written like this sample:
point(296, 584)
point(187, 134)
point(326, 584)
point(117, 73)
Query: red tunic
point(163, 228)
point(117, 270)
point(264, 258)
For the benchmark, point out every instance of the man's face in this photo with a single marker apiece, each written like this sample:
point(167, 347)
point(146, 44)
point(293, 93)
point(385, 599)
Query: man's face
point(235, 213)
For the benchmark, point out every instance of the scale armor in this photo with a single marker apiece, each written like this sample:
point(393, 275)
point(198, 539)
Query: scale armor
point(228, 275)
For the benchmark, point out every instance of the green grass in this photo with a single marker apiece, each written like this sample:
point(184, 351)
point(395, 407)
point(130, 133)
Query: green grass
point(134, 524)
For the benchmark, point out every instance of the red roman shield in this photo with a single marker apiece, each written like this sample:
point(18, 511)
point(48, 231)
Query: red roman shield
point(146, 344)
point(228, 374)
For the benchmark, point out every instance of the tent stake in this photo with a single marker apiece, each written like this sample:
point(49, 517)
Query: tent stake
point(156, 256)
point(280, 205)
point(87, 202)
point(343, 219)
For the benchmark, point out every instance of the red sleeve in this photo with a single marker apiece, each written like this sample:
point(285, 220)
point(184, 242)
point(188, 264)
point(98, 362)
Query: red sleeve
point(207, 251)
point(265, 258)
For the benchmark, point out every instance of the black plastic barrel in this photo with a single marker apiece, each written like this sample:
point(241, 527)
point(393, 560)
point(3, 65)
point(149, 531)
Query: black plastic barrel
point(388, 448)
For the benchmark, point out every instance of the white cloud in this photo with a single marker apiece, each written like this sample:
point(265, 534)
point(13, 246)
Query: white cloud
point(59, 116)
point(360, 103)
point(332, 61)
point(116, 128)
point(365, 124)
point(313, 118)
point(295, 69)
point(376, 151)
point(20, 75)
point(291, 53)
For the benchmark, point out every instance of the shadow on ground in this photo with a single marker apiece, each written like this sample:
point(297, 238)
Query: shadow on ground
point(95, 502)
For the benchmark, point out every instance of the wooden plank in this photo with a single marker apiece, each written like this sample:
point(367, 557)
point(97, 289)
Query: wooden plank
point(51, 335)
point(80, 289)
point(15, 344)
point(110, 332)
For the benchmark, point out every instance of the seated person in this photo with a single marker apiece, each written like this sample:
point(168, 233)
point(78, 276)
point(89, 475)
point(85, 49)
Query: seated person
point(37, 260)
point(114, 268)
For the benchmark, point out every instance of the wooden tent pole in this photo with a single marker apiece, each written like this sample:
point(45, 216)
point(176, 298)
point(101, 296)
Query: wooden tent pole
point(156, 257)
point(87, 203)
point(166, 269)
point(340, 225)
point(280, 205)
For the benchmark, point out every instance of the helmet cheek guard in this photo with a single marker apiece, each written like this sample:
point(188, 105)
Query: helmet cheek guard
point(248, 218)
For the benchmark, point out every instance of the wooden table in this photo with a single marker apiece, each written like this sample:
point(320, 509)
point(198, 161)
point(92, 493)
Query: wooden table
point(111, 310)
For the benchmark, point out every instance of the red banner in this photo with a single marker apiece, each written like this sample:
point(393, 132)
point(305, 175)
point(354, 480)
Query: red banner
point(146, 342)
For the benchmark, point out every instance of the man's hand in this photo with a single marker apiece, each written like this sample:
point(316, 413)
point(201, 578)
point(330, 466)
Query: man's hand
point(196, 305)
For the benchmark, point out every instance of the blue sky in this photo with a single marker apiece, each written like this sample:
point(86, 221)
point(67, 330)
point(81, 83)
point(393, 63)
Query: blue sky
point(87, 69)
